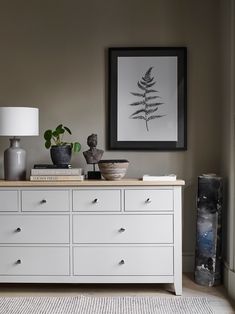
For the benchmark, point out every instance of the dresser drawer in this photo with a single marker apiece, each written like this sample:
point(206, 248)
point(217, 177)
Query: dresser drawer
point(96, 200)
point(149, 200)
point(45, 200)
point(123, 228)
point(9, 201)
point(34, 229)
point(126, 261)
point(34, 261)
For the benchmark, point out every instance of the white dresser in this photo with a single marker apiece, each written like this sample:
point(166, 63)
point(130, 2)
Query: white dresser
point(125, 231)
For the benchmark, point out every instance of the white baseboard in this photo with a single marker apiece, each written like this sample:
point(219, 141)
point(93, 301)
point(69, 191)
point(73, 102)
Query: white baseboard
point(188, 262)
point(229, 281)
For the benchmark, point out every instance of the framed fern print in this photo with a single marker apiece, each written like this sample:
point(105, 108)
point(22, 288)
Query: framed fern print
point(147, 98)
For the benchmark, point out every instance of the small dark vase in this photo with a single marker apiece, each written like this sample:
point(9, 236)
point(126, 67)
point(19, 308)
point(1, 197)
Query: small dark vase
point(61, 155)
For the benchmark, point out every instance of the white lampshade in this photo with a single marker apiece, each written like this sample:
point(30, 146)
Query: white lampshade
point(18, 121)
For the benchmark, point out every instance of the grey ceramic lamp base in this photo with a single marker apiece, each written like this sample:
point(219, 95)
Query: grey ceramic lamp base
point(15, 161)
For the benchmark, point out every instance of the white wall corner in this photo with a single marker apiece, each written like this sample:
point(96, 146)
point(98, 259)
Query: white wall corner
point(229, 281)
point(188, 262)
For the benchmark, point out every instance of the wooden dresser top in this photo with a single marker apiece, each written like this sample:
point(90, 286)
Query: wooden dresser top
point(124, 182)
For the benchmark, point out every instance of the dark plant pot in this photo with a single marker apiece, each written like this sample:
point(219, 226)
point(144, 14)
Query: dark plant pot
point(61, 155)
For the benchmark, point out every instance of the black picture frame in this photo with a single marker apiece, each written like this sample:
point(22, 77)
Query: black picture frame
point(171, 131)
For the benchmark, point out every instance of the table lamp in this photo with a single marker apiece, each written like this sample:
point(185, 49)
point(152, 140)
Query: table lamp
point(16, 122)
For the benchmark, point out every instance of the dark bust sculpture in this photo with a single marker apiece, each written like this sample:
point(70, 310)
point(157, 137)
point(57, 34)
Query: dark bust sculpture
point(93, 155)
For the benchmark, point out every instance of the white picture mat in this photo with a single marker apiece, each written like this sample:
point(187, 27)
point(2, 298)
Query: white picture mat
point(130, 71)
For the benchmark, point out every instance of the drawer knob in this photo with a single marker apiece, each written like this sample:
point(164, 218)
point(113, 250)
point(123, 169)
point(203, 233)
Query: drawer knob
point(18, 229)
point(148, 201)
point(18, 262)
point(95, 201)
point(43, 201)
point(122, 262)
point(122, 229)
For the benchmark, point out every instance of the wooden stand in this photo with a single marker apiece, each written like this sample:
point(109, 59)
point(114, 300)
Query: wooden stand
point(94, 175)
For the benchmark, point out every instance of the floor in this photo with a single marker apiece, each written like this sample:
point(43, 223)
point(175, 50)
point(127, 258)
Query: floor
point(217, 296)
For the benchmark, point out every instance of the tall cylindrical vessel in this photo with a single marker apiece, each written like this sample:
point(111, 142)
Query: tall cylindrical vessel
point(15, 161)
point(208, 239)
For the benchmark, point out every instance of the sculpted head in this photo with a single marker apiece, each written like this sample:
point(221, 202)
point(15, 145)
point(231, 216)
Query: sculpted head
point(92, 140)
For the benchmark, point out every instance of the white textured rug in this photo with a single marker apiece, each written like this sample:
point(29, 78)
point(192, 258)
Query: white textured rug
point(104, 305)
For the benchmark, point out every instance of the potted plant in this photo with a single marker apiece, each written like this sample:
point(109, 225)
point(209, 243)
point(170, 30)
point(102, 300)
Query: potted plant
point(60, 150)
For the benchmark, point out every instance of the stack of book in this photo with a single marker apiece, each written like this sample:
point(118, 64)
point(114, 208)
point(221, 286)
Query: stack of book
point(47, 172)
point(167, 177)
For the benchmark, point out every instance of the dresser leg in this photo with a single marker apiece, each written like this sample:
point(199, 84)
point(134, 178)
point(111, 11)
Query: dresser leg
point(178, 288)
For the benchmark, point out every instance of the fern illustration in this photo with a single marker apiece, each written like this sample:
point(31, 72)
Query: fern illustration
point(147, 99)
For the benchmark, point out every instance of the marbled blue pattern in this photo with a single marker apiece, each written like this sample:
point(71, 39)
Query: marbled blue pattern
point(208, 239)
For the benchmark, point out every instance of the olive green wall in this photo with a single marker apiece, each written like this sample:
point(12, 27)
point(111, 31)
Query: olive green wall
point(53, 54)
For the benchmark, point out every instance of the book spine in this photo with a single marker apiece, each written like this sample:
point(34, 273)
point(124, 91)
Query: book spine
point(159, 178)
point(51, 166)
point(56, 178)
point(56, 172)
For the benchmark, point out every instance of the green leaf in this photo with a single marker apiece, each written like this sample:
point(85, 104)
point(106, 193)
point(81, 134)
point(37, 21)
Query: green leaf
point(59, 126)
point(48, 144)
point(68, 130)
point(55, 133)
point(59, 129)
point(76, 147)
point(48, 135)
